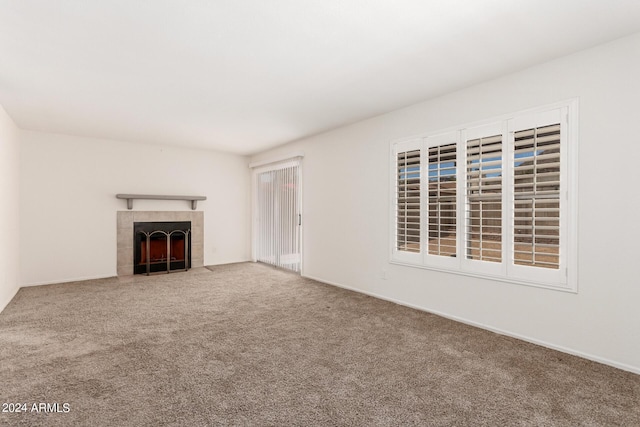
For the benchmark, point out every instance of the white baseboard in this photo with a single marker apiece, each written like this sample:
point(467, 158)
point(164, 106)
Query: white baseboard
point(4, 303)
point(73, 279)
point(623, 366)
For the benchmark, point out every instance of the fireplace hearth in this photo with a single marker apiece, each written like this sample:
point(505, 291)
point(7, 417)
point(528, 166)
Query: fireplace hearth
point(161, 247)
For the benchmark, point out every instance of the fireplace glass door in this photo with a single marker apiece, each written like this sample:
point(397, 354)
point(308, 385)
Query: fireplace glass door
point(162, 247)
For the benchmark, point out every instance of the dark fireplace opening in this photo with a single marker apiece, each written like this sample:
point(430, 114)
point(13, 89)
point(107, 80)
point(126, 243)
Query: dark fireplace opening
point(161, 247)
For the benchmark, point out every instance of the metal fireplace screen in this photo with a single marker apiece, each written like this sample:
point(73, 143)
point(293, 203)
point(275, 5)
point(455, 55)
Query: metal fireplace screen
point(161, 247)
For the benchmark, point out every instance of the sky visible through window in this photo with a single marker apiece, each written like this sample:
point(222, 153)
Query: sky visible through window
point(448, 168)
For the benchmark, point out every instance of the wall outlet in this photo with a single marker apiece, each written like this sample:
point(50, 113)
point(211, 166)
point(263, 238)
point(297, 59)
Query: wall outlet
point(383, 275)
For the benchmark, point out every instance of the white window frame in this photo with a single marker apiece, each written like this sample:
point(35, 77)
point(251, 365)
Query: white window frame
point(525, 121)
point(404, 146)
point(429, 142)
point(565, 277)
point(470, 265)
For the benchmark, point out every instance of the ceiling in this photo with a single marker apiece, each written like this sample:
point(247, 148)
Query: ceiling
point(242, 76)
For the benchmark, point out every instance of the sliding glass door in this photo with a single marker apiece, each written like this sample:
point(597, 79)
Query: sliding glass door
point(277, 216)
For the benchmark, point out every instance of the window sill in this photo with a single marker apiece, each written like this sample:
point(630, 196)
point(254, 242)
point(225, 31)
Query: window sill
point(554, 287)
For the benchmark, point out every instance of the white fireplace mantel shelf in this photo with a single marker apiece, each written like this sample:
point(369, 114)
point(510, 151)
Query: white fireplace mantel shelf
point(130, 197)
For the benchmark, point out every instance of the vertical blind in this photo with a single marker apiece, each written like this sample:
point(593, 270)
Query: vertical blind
point(536, 238)
point(442, 200)
point(278, 217)
point(484, 199)
point(408, 201)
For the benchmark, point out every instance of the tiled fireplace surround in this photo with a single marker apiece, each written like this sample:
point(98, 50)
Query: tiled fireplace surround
point(125, 234)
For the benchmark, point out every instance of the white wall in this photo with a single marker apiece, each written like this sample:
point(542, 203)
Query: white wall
point(9, 209)
point(68, 204)
point(346, 205)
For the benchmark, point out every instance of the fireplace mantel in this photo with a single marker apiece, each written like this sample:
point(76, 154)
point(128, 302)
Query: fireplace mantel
point(131, 197)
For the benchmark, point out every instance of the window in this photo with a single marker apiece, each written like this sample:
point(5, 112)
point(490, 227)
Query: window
point(490, 200)
point(442, 200)
point(536, 197)
point(484, 198)
point(408, 201)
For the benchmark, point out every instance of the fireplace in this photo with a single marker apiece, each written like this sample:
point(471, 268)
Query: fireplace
point(161, 247)
point(126, 238)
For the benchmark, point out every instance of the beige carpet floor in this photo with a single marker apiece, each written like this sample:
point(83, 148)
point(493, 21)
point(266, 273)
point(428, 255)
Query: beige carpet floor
point(246, 344)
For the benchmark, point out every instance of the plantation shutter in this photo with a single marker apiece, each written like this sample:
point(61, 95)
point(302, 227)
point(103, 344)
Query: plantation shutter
point(495, 200)
point(484, 167)
point(536, 196)
point(442, 199)
point(408, 201)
